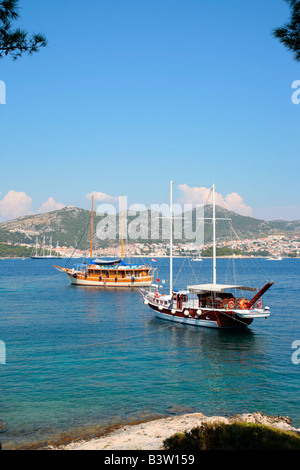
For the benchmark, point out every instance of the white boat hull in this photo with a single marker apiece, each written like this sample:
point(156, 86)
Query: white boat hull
point(78, 279)
point(187, 321)
point(126, 283)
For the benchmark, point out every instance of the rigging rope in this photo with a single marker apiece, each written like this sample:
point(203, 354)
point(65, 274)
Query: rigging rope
point(254, 261)
point(117, 340)
point(245, 324)
point(78, 243)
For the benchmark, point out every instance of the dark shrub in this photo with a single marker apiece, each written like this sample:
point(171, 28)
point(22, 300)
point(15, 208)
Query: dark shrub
point(236, 436)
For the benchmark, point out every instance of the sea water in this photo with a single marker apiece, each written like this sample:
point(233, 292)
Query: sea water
point(80, 359)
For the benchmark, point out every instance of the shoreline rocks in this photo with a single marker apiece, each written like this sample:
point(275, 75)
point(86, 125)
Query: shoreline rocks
point(150, 435)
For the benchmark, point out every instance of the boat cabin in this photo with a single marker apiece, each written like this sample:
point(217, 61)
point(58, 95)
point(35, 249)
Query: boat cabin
point(112, 270)
point(217, 295)
point(210, 296)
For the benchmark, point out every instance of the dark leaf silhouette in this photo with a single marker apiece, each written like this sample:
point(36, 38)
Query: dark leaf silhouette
point(289, 34)
point(14, 42)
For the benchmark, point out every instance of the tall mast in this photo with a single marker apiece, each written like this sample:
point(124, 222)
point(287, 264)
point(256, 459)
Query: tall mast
point(122, 229)
point(91, 251)
point(214, 237)
point(44, 245)
point(51, 245)
point(171, 238)
point(36, 247)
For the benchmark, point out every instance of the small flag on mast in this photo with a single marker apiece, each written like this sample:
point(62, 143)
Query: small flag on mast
point(154, 260)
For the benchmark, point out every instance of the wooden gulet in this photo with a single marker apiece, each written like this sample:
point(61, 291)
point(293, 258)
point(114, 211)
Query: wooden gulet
point(109, 273)
point(206, 305)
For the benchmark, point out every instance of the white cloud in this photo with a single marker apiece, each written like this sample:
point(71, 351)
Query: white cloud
point(193, 195)
point(234, 202)
point(15, 204)
point(102, 197)
point(50, 205)
point(201, 195)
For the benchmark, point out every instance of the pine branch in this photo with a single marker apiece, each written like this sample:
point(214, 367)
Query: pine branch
point(289, 34)
point(14, 42)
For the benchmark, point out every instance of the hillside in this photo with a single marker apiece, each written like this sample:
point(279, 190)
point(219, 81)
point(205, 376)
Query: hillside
point(70, 226)
point(250, 227)
point(66, 226)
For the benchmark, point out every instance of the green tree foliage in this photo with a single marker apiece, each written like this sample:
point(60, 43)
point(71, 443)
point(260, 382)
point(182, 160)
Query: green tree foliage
point(14, 42)
point(289, 34)
point(220, 251)
point(14, 251)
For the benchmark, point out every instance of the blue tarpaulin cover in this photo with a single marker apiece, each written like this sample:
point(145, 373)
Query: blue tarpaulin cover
point(106, 262)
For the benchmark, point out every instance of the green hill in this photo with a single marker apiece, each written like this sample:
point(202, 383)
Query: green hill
point(70, 226)
point(248, 227)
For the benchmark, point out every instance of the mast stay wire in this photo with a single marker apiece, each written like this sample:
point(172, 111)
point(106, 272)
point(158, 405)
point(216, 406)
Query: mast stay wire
point(84, 231)
point(254, 261)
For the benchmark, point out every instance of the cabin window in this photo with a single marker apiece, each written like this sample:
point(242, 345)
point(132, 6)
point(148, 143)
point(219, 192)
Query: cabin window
point(203, 299)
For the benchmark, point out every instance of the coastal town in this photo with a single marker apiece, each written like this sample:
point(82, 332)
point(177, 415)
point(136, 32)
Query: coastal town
point(271, 246)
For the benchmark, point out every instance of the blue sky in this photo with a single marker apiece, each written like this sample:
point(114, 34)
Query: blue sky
point(129, 95)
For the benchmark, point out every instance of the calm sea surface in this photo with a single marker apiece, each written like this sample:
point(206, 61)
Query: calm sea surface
point(79, 359)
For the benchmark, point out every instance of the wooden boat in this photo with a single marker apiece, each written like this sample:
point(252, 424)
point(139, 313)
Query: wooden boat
point(109, 273)
point(208, 305)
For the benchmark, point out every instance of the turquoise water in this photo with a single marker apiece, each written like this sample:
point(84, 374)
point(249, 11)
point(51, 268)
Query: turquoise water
point(79, 358)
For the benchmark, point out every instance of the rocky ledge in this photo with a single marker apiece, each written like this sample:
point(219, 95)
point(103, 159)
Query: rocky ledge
point(150, 435)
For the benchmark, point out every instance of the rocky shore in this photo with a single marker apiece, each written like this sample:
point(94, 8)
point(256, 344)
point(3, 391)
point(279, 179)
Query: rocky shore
point(150, 435)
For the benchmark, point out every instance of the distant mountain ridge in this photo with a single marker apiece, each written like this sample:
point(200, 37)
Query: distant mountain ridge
point(70, 227)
